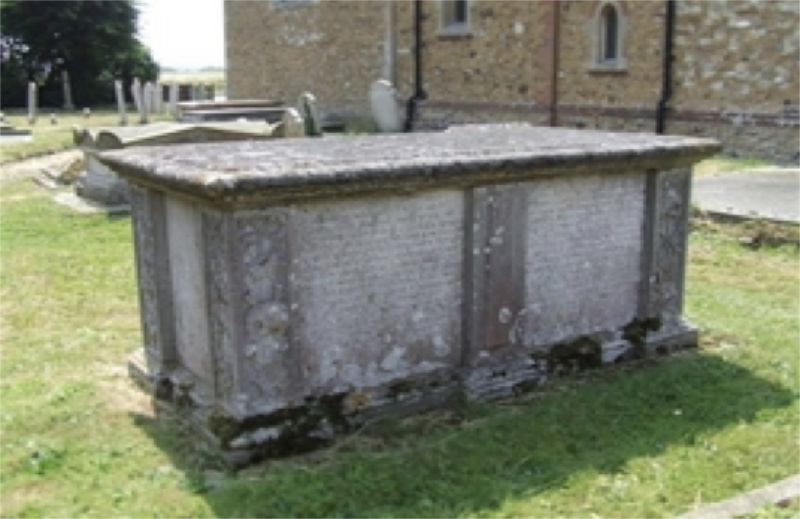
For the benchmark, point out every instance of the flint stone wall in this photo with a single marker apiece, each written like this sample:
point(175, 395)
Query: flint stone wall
point(293, 289)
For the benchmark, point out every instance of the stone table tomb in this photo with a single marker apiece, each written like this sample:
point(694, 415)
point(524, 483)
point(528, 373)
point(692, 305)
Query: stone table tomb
point(291, 290)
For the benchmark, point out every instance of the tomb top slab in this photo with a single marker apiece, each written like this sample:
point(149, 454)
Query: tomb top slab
point(249, 172)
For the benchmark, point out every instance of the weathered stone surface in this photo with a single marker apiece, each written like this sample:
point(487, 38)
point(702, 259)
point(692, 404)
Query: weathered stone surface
point(245, 172)
point(364, 323)
point(583, 255)
point(184, 229)
point(292, 290)
point(385, 106)
point(103, 185)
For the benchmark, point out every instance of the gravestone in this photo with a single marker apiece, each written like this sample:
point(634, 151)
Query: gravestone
point(385, 108)
point(67, 90)
point(307, 106)
point(121, 109)
point(136, 93)
point(154, 102)
point(147, 100)
point(159, 96)
point(294, 289)
point(292, 124)
point(173, 100)
point(32, 102)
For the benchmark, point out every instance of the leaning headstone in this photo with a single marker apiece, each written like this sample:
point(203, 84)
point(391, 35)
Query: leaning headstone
point(67, 88)
point(307, 106)
point(155, 106)
point(385, 108)
point(292, 124)
point(136, 92)
point(31, 102)
point(158, 92)
point(173, 100)
point(147, 100)
point(120, 95)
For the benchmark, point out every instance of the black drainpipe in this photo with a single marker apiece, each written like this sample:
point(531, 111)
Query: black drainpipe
point(419, 93)
point(666, 86)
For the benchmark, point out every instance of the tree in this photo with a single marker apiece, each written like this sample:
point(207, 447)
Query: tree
point(94, 41)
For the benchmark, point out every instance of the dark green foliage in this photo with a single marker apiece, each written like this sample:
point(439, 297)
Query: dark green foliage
point(94, 41)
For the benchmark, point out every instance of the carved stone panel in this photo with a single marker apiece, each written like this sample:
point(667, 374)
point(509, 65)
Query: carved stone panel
point(217, 236)
point(187, 271)
point(496, 265)
point(583, 260)
point(265, 365)
point(671, 228)
point(152, 268)
point(376, 287)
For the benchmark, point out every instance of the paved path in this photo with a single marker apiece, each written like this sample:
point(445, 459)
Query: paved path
point(749, 502)
point(769, 193)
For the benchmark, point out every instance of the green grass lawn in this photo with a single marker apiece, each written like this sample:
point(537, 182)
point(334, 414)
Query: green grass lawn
point(79, 440)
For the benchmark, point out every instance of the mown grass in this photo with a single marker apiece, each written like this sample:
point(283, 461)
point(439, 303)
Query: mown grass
point(48, 137)
point(654, 440)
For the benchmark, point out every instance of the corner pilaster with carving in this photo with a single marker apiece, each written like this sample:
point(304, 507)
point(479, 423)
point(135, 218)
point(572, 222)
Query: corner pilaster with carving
point(264, 366)
point(218, 229)
point(669, 198)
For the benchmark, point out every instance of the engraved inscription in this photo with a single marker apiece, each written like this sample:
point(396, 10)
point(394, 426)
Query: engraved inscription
point(377, 286)
point(583, 255)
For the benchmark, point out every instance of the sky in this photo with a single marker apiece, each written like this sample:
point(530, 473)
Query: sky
point(185, 34)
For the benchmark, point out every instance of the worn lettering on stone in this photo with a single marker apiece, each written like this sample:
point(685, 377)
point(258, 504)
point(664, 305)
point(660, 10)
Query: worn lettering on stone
point(378, 284)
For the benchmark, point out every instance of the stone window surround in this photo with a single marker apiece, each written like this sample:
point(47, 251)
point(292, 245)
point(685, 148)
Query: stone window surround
point(596, 36)
point(453, 28)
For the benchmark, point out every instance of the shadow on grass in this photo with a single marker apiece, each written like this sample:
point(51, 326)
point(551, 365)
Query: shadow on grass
point(474, 458)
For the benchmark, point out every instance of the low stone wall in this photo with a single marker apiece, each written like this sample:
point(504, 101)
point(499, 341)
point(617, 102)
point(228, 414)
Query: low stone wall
point(291, 290)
